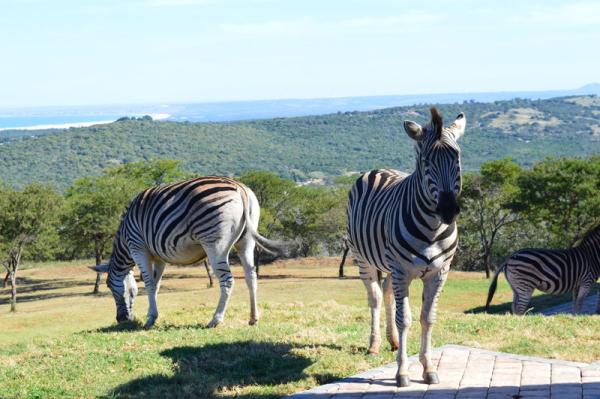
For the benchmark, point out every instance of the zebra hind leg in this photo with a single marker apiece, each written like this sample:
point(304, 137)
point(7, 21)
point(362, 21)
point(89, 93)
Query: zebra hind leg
point(521, 299)
point(159, 269)
point(218, 256)
point(370, 279)
point(245, 248)
point(391, 331)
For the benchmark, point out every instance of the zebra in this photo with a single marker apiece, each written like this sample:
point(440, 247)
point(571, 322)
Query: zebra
point(404, 225)
point(553, 271)
point(183, 223)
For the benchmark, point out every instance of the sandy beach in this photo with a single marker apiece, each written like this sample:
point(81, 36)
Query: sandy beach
point(156, 117)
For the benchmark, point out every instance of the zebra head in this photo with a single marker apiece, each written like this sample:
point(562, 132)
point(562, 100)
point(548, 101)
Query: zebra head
point(123, 288)
point(438, 163)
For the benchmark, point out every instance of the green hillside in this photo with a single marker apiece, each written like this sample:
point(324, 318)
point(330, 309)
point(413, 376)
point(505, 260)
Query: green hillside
point(307, 147)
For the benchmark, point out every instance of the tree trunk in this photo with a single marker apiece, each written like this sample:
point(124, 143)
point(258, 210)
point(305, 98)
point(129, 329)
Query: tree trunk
point(13, 291)
point(341, 271)
point(486, 262)
point(210, 279)
point(98, 275)
point(5, 279)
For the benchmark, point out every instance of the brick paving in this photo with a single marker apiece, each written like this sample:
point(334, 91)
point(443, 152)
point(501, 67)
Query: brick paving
point(588, 307)
point(469, 373)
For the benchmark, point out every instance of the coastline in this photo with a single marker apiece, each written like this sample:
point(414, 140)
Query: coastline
point(156, 117)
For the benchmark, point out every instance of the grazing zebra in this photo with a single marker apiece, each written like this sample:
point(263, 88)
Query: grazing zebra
point(404, 225)
point(183, 223)
point(553, 271)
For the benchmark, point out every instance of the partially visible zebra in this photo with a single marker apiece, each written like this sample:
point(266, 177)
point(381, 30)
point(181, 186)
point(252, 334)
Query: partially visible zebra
point(183, 223)
point(405, 225)
point(553, 271)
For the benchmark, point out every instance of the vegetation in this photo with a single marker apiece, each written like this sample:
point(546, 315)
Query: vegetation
point(505, 207)
point(304, 148)
point(314, 329)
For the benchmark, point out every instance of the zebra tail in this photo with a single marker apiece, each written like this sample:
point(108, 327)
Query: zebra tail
point(275, 247)
point(493, 286)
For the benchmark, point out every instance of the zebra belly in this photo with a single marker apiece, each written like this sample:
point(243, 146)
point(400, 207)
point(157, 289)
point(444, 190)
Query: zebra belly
point(187, 254)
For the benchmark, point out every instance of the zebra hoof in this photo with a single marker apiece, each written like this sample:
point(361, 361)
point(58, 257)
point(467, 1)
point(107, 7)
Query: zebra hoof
point(213, 323)
point(394, 346)
point(373, 352)
point(150, 323)
point(252, 322)
point(431, 378)
point(402, 381)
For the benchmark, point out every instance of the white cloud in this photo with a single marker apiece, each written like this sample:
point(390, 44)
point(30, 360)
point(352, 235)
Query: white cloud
point(410, 21)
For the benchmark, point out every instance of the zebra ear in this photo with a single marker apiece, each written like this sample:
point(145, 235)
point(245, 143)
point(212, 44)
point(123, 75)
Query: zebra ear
point(103, 268)
point(457, 128)
point(414, 130)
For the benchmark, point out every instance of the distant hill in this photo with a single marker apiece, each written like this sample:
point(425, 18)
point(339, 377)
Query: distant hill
point(229, 111)
point(309, 146)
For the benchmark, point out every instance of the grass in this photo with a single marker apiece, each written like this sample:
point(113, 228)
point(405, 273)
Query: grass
point(63, 342)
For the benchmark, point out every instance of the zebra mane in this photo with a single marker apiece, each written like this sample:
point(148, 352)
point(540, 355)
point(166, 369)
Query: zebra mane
point(592, 233)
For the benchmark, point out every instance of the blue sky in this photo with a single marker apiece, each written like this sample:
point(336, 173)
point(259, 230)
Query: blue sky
point(148, 51)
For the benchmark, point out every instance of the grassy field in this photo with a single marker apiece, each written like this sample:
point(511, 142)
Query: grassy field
point(63, 341)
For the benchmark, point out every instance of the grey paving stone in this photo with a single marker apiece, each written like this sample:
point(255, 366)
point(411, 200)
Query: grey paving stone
point(469, 373)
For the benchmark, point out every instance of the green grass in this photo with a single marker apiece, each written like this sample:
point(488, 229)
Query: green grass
point(63, 342)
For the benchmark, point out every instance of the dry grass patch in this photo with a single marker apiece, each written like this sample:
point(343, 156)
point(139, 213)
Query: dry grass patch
point(523, 117)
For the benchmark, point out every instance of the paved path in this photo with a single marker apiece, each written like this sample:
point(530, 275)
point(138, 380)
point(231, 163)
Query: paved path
point(472, 373)
point(589, 307)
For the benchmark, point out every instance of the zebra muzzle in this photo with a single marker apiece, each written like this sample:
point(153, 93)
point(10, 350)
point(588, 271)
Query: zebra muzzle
point(447, 207)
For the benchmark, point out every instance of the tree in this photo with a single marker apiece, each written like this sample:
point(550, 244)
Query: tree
point(94, 209)
point(26, 215)
point(561, 196)
point(485, 203)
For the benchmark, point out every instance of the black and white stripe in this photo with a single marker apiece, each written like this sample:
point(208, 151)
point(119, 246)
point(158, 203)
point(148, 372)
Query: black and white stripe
point(183, 223)
point(404, 225)
point(553, 271)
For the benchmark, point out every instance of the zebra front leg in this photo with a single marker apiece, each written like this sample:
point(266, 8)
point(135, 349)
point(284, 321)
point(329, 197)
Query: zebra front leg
point(245, 249)
point(582, 293)
point(391, 331)
point(144, 262)
point(400, 282)
point(220, 262)
point(370, 279)
point(432, 287)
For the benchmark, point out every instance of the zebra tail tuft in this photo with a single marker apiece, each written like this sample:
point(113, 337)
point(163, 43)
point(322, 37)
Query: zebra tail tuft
point(493, 286)
point(272, 246)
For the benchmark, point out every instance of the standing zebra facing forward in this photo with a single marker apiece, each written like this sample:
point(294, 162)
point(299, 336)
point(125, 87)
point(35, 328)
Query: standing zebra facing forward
point(405, 225)
point(553, 271)
point(183, 223)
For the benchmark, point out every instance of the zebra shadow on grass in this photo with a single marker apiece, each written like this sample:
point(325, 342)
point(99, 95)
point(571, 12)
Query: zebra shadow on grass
point(537, 304)
point(219, 370)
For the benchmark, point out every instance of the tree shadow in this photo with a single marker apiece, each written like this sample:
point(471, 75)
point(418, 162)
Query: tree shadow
point(296, 277)
point(210, 370)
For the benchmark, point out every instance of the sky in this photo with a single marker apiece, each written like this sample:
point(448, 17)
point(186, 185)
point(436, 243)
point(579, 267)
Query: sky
point(57, 53)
